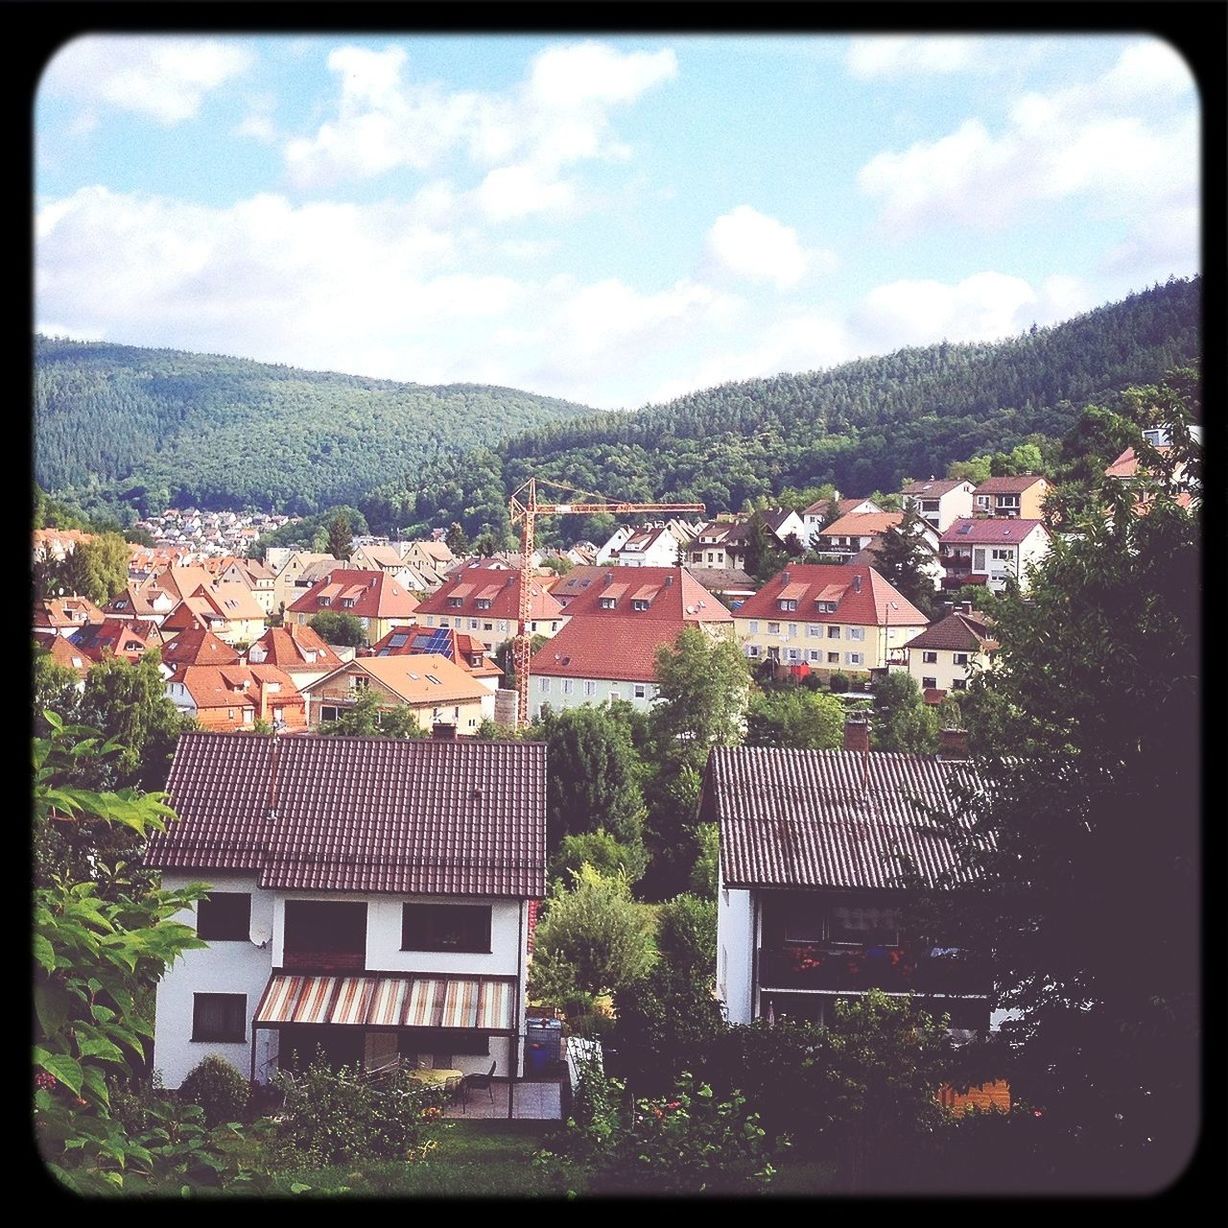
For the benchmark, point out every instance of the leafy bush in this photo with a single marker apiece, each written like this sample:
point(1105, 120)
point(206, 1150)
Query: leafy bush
point(838, 682)
point(335, 1117)
point(221, 1092)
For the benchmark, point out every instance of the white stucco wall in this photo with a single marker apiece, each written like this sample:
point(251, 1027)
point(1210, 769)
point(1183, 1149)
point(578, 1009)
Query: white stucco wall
point(604, 690)
point(222, 967)
point(734, 947)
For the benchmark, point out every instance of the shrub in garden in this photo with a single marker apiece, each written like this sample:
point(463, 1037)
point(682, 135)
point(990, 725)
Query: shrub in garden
point(219, 1089)
point(839, 682)
point(334, 1116)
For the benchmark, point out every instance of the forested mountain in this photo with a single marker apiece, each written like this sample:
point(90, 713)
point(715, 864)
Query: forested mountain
point(864, 425)
point(117, 424)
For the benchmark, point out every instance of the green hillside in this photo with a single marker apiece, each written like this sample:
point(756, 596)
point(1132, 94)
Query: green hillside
point(121, 425)
point(864, 425)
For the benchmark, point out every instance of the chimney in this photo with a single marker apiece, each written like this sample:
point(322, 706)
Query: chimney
point(669, 579)
point(857, 584)
point(443, 733)
point(609, 576)
point(965, 607)
point(784, 577)
point(857, 734)
point(952, 744)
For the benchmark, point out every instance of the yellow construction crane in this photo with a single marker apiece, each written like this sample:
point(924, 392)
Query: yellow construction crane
point(525, 509)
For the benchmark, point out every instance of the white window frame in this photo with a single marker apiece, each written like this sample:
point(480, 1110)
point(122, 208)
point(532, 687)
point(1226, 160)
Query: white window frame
point(854, 658)
point(773, 629)
point(590, 687)
point(856, 633)
point(754, 627)
point(814, 631)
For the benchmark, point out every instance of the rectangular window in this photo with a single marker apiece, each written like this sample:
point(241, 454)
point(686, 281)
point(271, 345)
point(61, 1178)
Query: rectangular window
point(455, 602)
point(752, 650)
point(860, 924)
point(324, 935)
point(793, 631)
point(773, 628)
point(639, 604)
point(590, 687)
point(857, 633)
point(482, 603)
point(929, 658)
point(1003, 556)
point(815, 654)
point(608, 603)
point(219, 1017)
point(641, 691)
point(754, 628)
point(853, 658)
point(502, 624)
point(543, 685)
point(224, 916)
point(833, 658)
point(929, 684)
point(826, 607)
point(959, 684)
point(961, 658)
point(795, 654)
point(473, 624)
point(813, 630)
point(787, 605)
point(445, 927)
point(568, 686)
point(833, 633)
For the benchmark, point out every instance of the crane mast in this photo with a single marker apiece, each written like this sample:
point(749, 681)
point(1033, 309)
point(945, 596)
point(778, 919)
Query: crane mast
point(525, 508)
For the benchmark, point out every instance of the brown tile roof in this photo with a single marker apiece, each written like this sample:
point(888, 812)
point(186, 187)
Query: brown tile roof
point(457, 646)
point(828, 818)
point(861, 594)
point(1008, 485)
point(63, 652)
point(958, 633)
point(996, 531)
point(617, 648)
point(427, 817)
point(723, 579)
point(418, 679)
point(113, 636)
point(469, 583)
point(933, 488)
point(66, 612)
point(673, 594)
point(198, 646)
point(294, 648)
point(575, 582)
point(374, 594)
point(863, 524)
point(232, 686)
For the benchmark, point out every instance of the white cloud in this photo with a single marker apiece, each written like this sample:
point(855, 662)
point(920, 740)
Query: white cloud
point(1077, 141)
point(258, 122)
point(750, 244)
point(161, 77)
point(523, 138)
point(890, 55)
point(984, 307)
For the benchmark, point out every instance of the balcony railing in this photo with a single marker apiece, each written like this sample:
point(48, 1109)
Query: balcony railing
point(324, 961)
point(892, 968)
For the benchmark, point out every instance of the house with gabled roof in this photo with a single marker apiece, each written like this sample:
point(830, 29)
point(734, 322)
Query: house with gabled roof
point(377, 600)
point(64, 654)
point(720, 544)
point(298, 573)
point(146, 601)
point(485, 602)
point(809, 903)
point(257, 577)
point(832, 617)
point(939, 501)
point(607, 651)
point(369, 896)
point(64, 615)
point(821, 511)
point(197, 646)
point(436, 690)
point(230, 611)
point(949, 652)
point(1022, 496)
point(991, 551)
point(113, 637)
point(236, 696)
point(459, 647)
point(299, 651)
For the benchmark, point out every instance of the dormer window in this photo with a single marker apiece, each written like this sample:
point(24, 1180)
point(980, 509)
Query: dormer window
point(348, 602)
point(639, 603)
point(608, 603)
point(483, 603)
point(456, 602)
point(324, 600)
point(787, 604)
point(826, 607)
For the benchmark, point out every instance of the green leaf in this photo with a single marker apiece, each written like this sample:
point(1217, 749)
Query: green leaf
point(102, 1049)
point(96, 1085)
point(44, 952)
point(66, 1069)
point(51, 1005)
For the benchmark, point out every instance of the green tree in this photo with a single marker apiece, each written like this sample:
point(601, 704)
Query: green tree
point(703, 689)
point(337, 627)
point(902, 559)
point(902, 720)
point(1088, 833)
point(340, 537)
point(975, 470)
point(367, 718)
point(765, 555)
point(593, 939)
point(98, 568)
point(457, 540)
point(600, 850)
point(795, 717)
point(705, 872)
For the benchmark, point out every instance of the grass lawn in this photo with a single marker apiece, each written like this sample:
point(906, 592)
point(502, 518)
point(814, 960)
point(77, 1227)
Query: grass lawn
point(471, 1159)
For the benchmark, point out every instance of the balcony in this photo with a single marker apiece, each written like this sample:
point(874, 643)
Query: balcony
point(844, 967)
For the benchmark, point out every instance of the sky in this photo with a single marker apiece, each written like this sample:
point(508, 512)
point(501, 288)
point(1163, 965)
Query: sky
point(612, 220)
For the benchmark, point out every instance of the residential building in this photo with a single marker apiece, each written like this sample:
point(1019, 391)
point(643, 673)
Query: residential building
point(607, 651)
point(822, 511)
point(808, 906)
point(946, 655)
point(939, 501)
point(230, 611)
point(732, 585)
point(858, 531)
point(197, 646)
point(368, 896)
point(233, 697)
point(259, 578)
point(831, 617)
point(300, 571)
point(377, 600)
point(64, 654)
point(1022, 496)
point(144, 600)
point(485, 602)
point(64, 615)
point(565, 588)
point(719, 544)
point(57, 544)
point(991, 551)
point(296, 650)
point(113, 637)
point(659, 545)
point(459, 647)
point(785, 523)
point(437, 690)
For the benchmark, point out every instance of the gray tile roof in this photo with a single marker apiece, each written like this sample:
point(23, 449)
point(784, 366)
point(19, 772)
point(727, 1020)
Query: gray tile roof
point(461, 817)
point(828, 818)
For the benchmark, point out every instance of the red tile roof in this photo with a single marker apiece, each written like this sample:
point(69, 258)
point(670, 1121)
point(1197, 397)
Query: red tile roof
point(672, 593)
point(1008, 485)
point(619, 648)
point(374, 594)
point(829, 818)
point(198, 646)
point(231, 686)
point(428, 817)
point(996, 531)
point(933, 488)
point(114, 637)
point(862, 596)
point(63, 652)
point(457, 646)
point(863, 524)
point(958, 633)
point(293, 648)
point(66, 612)
point(504, 599)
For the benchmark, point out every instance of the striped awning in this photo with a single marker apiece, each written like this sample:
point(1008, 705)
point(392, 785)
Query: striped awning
point(387, 1002)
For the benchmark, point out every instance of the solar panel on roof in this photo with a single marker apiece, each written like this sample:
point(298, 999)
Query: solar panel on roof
point(398, 640)
point(439, 640)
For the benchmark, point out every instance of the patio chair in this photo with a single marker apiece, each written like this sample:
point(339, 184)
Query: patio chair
point(482, 1080)
point(457, 1091)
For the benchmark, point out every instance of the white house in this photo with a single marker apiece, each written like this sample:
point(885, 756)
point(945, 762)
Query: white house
point(989, 551)
point(369, 896)
point(807, 908)
point(946, 655)
point(939, 501)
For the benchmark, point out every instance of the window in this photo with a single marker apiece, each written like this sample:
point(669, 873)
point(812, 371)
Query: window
point(455, 602)
point(219, 1017)
point(795, 654)
point(1003, 556)
point(473, 624)
point(793, 631)
point(324, 601)
point(502, 624)
point(359, 682)
point(929, 684)
point(773, 628)
point(833, 658)
point(959, 684)
point(752, 650)
point(590, 687)
point(445, 927)
point(543, 685)
point(853, 658)
point(787, 605)
point(833, 633)
point(641, 691)
point(224, 916)
point(639, 604)
point(929, 658)
point(443, 622)
point(861, 924)
point(608, 603)
point(982, 500)
point(961, 658)
point(568, 686)
point(754, 628)
point(813, 630)
point(826, 607)
point(815, 654)
point(857, 633)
